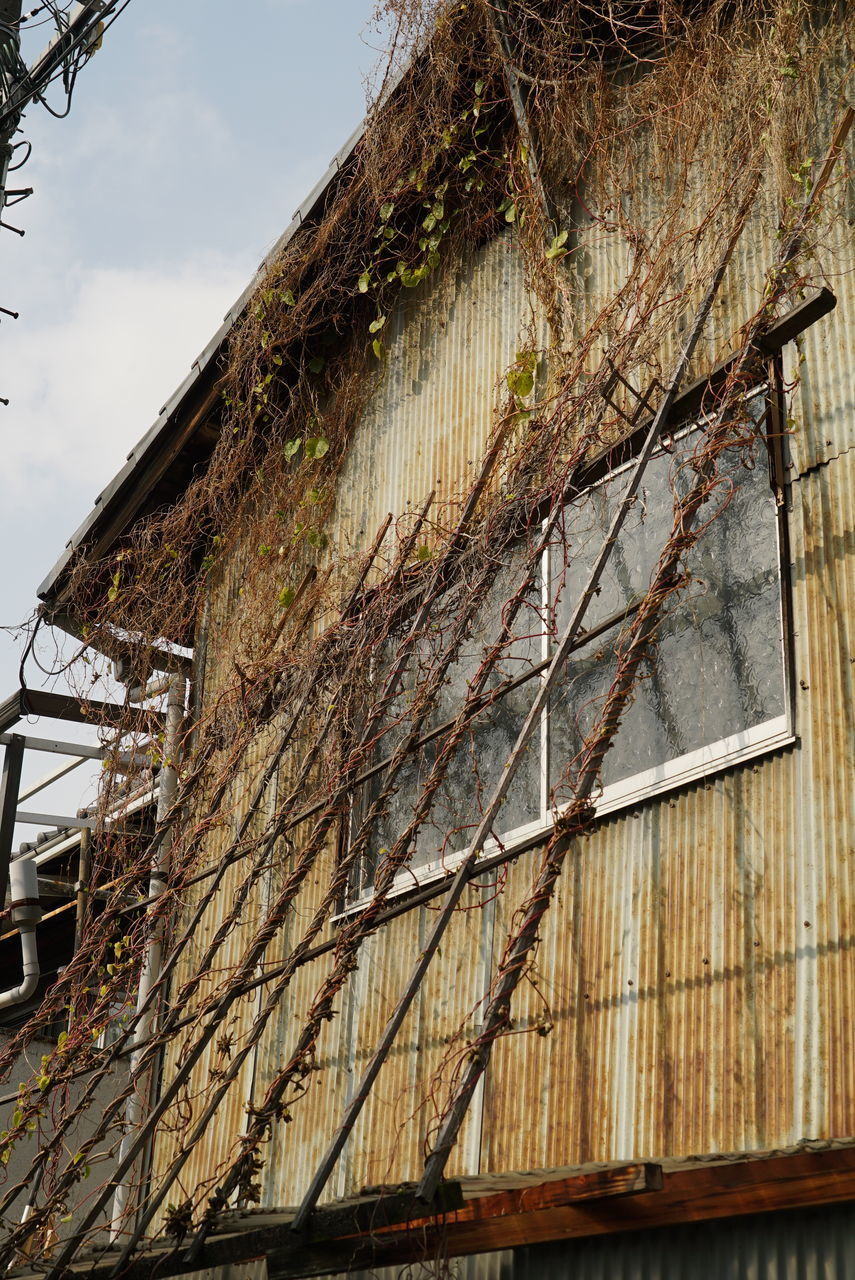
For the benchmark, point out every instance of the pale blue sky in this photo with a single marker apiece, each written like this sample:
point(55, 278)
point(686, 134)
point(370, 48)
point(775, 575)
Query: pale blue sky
point(194, 134)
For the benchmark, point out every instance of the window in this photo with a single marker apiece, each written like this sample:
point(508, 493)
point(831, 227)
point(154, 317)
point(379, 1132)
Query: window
point(713, 691)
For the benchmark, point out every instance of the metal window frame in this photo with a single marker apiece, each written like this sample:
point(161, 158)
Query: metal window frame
point(702, 763)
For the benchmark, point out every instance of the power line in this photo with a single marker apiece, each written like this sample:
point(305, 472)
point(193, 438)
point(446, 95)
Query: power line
point(80, 29)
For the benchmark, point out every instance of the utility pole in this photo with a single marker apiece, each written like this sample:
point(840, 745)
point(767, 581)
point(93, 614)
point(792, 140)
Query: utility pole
point(78, 34)
point(10, 63)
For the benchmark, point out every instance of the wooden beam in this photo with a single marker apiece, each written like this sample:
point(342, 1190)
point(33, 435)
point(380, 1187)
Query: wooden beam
point(697, 1194)
point(581, 1205)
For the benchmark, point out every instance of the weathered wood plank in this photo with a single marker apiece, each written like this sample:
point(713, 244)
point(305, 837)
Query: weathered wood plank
point(594, 1204)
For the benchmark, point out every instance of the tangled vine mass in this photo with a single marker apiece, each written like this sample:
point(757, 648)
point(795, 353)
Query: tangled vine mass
point(654, 131)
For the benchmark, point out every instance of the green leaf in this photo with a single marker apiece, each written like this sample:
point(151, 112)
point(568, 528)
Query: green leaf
point(316, 364)
point(289, 299)
point(286, 597)
point(364, 282)
point(520, 379)
point(423, 552)
point(376, 325)
point(316, 447)
point(386, 210)
point(290, 447)
point(378, 348)
point(479, 88)
point(556, 249)
point(520, 383)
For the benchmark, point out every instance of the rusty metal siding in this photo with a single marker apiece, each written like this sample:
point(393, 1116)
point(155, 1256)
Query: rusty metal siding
point(694, 983)
point(694, 986)
point(449, 343)
point(482, 1266)
point(697, 961)
point(820, 362)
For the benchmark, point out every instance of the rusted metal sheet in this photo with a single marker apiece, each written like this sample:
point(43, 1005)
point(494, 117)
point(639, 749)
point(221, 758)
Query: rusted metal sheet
point(694, 983)
point(449, 343)
point(694, 978)
point(819, 363)
point(696, 966)
point(484, 1266)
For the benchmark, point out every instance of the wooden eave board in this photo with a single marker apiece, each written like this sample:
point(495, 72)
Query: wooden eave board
point(580, 1204)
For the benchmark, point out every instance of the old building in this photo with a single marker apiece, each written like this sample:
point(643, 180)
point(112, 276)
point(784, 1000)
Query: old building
point(500, 907)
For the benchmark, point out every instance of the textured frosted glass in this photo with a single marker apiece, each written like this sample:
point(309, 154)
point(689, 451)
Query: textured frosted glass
point(717, 667)
point(474, 767)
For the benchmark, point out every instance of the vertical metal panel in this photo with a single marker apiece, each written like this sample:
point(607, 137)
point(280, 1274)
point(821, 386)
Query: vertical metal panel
point(793, 1246)
point(697, 960)
point(694, 984)
point(449, 343)
point(820, 361)
point(482, 1266)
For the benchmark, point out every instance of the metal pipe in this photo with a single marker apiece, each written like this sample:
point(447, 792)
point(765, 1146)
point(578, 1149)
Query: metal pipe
point(155, 686)
point(147, 1010)
point(84, 868)
point(26, 913)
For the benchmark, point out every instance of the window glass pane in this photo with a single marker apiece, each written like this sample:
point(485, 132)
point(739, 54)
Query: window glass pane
point(474, 767)
point(717, 668)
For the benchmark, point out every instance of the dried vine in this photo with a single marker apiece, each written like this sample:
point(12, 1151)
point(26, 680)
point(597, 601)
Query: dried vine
point(581, 130)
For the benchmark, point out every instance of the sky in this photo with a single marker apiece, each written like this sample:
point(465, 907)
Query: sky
point(195, 132)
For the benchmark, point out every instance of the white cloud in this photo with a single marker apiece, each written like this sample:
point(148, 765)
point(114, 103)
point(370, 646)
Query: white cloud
point(88, 383)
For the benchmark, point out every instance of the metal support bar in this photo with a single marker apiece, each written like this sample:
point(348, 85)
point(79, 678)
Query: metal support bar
point(9, 786)
point(35, 787)
point(58, 748)
point(54, 820)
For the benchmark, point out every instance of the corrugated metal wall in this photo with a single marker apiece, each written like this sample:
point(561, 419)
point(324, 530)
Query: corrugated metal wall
point(449, 343)
point(696, 966)
point(816, 1245)
point(484, 1266)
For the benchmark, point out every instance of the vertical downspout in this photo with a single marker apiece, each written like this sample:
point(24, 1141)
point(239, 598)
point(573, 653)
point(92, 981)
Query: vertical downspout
point(82, 886)
point(139, 1101)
